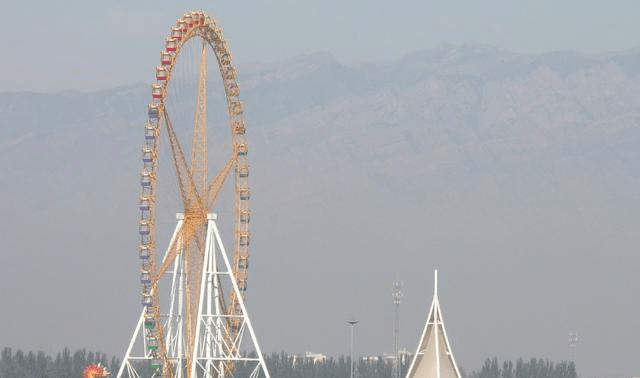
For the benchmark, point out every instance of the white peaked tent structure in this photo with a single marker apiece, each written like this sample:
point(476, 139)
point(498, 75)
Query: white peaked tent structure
point(433, 358)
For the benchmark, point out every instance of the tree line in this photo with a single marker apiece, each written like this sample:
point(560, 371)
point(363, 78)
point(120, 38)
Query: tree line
point(534, 368)
point(39, 365)
point(284, 365)
point(65, 364)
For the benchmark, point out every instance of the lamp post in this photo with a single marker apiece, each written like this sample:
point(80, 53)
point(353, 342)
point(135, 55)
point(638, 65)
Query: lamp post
point(352, 324)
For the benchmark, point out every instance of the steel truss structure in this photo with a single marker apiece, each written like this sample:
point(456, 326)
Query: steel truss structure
point(198, 326)
point(216, 354)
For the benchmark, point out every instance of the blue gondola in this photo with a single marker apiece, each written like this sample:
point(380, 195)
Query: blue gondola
point(147, 155)
point(149, 133)
point(144, 204)
point(144, 253)
point(144, 228)
point(145, 179)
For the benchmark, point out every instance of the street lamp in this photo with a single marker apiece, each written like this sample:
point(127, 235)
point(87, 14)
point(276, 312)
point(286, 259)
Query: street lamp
point(352, 324)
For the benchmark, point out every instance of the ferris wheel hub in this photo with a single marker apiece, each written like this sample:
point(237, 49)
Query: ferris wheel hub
point(195, 215)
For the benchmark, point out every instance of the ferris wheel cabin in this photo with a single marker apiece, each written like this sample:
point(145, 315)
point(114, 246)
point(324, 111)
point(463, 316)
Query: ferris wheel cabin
point(154, 111)
point(156, 91)
point(171, 45)
point(243, 149)
point(161, 73)
point(176, 34)
point(144, 252)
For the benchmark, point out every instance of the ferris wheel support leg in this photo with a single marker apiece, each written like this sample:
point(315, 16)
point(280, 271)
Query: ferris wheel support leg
point(200, 318)
point(125, 361)
point(216, 314)
point(213, 301)
point(225, 258)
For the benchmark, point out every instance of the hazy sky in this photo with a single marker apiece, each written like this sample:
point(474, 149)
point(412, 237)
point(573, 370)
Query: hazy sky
point(88, 44)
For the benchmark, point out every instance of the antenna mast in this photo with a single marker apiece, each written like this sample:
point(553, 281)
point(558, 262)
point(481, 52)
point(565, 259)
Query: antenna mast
point(397, 296)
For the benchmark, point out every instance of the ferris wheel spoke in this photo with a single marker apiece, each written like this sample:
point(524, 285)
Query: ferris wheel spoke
point(216, 184)
point(199, 143)
point(172, 252)
point(188, 189)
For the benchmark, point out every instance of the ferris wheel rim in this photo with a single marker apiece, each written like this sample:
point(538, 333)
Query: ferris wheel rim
point(191, 25)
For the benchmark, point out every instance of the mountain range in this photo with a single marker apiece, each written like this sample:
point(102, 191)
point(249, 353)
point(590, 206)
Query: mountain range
point(516, 175)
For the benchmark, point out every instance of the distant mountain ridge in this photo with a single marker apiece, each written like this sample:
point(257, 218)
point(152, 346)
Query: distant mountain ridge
point(516, 175)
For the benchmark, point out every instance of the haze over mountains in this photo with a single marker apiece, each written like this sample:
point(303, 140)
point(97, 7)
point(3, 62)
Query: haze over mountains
point(516, 175)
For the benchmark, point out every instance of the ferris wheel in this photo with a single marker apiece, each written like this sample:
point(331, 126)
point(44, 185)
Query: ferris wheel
point(194, 321)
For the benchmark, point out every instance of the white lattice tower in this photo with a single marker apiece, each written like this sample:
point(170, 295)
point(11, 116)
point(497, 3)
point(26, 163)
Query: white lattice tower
point(216, 354)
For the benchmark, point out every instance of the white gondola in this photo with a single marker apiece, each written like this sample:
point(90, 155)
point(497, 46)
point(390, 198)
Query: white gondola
point(146, 300)
point(145, 179)
point(144, 252)
point(156, 363)
point(176, 34)
point(243, 149)
point(236, 107)
point(152, 343)
point(146, 266)
point(244, 194)
point(221, 45)
point(147, 155)
point(239, 127)
point(144, 228)
point(233, 89)
point(182, 25)
point(149, 321)
point(225, 59)
point(145, 204)
point(154, 111)
point(145, 278)
point(161, 73)
point(229, 73)
point(244, 240)
point(171, 45)
point(242, 280)
point(165, 58)
point(243, 263)
point(156, 91)
point(188, 19)
point(149, 133)
point(195, 16)
point(243, 171)
point(245, 217)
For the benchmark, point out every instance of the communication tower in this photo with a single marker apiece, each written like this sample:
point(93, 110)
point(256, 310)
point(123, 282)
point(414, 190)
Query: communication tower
point(397, 296)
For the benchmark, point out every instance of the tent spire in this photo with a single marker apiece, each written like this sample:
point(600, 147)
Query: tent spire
point(434, 358)
point(435, 284)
